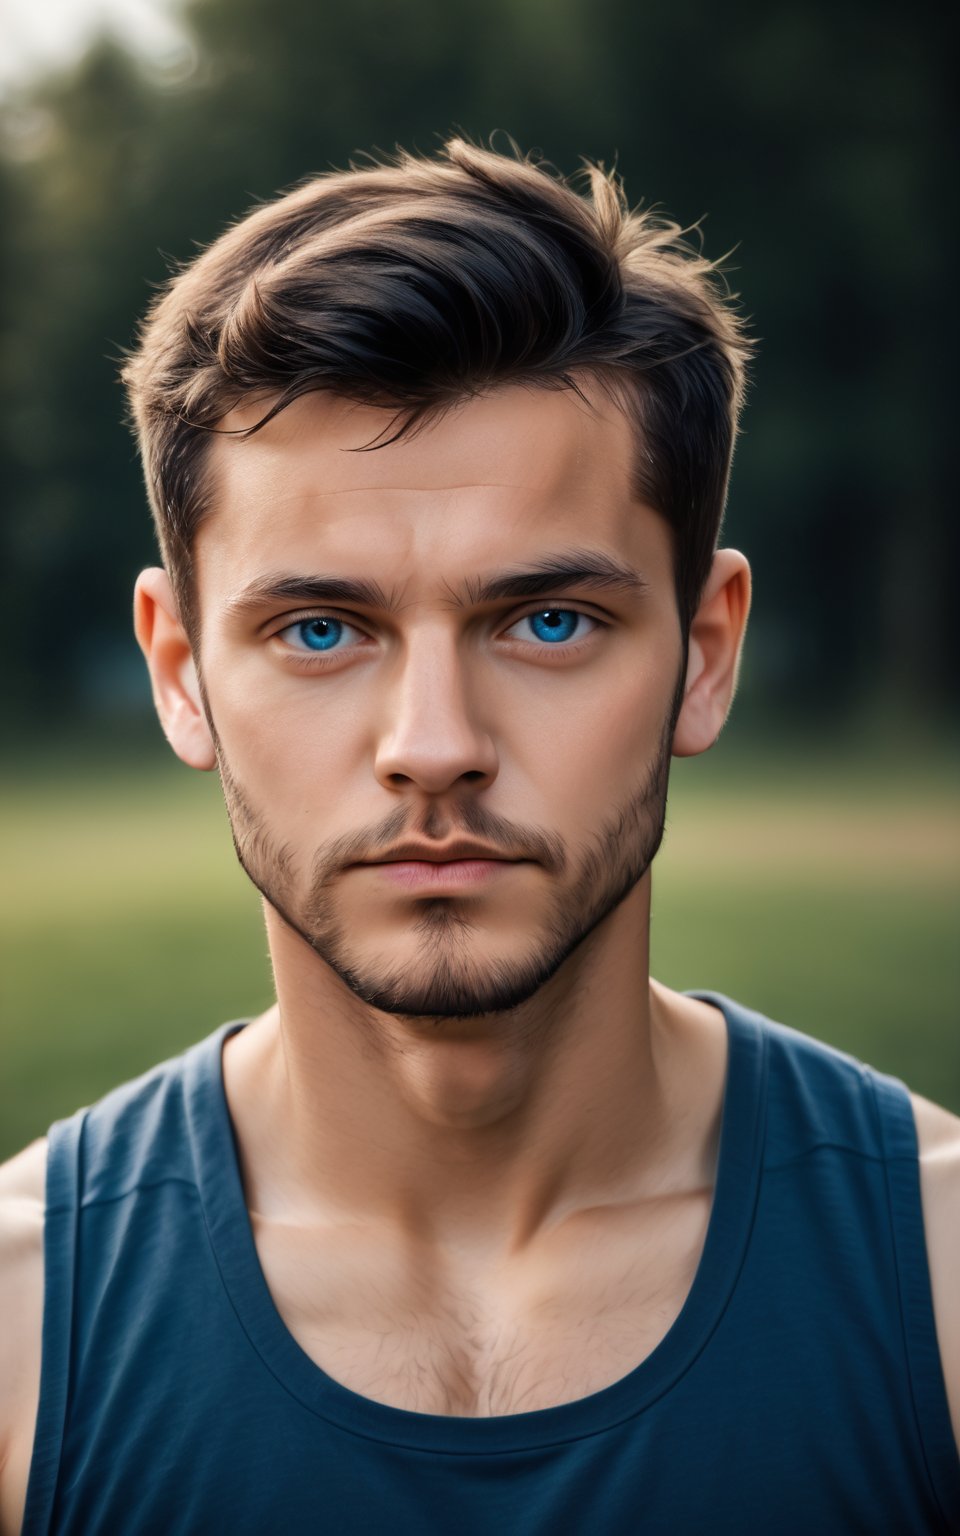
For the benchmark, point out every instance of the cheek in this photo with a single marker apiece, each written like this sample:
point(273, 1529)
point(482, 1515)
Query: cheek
point(621, 714)
point(283, 734)
point(590, 748)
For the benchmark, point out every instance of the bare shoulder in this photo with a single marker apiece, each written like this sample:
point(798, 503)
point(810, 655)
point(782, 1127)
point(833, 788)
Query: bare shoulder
point(22, 1199)
point(938, 1141)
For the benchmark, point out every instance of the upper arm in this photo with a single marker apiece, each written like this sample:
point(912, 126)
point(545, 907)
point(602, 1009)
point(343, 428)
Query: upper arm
point(938, 1137)
point(22, 1199)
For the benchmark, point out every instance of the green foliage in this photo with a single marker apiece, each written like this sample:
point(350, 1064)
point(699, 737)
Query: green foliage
point(814, 139)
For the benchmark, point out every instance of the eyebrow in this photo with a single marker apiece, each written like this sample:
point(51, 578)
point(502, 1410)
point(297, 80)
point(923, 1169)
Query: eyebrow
point(574, 568)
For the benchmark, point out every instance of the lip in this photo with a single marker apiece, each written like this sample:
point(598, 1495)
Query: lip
point(459, 848)
point(450, 874)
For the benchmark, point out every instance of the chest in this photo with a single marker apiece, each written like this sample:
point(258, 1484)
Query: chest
point(433, 1334)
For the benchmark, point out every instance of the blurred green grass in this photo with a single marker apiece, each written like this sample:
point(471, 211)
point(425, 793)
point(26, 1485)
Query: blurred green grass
point(822, 892)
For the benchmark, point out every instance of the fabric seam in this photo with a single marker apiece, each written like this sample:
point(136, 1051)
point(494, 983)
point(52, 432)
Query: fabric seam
point(94, 1201)
point(829, 1146)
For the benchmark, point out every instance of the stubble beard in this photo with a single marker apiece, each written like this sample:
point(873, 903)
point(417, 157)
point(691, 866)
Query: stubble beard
point(447, 980)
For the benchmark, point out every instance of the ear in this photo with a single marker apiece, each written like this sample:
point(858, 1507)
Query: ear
point(716, 640)
point(176, 690)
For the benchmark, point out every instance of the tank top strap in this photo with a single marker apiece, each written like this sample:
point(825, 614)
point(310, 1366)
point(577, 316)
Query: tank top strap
point(898, 1136)
point(817, 1199)
point(64, 1163)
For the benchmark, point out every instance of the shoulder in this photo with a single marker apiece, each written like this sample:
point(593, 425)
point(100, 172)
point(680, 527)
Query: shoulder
point(938, 1142)
point(22, 1185)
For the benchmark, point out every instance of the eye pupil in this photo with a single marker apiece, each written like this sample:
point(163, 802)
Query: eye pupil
point(558, 623)
point(549, 625)
point(320, 634)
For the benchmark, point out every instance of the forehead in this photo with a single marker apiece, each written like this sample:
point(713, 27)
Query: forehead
point(512, 472)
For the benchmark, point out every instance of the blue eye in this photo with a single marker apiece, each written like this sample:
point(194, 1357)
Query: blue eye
point(553, 624)
point(317, 634)
point(322, 633)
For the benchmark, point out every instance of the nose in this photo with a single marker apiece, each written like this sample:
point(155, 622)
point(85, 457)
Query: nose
point(430, 734)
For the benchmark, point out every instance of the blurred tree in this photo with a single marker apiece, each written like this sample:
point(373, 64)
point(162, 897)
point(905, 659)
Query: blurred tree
point(815, 139)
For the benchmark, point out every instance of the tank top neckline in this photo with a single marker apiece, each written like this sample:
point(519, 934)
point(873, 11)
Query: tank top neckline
point(728, 1231)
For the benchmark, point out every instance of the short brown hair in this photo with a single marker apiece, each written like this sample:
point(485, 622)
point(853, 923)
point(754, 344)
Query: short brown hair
point(417, 282)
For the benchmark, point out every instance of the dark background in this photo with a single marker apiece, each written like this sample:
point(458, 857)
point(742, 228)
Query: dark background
point(815, 139)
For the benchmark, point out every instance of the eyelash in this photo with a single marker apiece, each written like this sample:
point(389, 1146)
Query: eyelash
point(318, 660)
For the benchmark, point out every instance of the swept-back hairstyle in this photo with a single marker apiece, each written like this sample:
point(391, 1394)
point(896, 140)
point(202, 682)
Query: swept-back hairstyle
point(416, 283)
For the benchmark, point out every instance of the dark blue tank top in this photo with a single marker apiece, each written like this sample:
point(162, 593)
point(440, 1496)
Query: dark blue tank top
point(799, 1390)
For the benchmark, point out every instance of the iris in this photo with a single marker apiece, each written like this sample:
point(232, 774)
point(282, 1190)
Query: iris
point(320, 634)
point(558, 622)
point(324, 632)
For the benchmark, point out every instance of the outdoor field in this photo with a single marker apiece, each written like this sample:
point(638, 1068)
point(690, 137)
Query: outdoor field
point(824, 893)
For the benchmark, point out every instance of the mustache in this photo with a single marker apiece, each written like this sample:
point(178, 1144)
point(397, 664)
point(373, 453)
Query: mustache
point(252, 839)
point(436, 838)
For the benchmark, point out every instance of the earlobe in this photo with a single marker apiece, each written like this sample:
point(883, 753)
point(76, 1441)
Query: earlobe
point(173, 675)
point(716, 642)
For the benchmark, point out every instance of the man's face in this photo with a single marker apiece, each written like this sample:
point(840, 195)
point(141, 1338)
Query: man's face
point(538, 726)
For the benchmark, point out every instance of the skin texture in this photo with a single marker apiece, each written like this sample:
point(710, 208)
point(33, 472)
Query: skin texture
point(478, 1142)
point(431, 1019)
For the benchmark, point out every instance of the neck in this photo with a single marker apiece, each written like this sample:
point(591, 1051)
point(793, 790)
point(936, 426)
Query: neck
point(473, 1134)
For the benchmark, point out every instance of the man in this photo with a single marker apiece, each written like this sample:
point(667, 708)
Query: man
point(478, 1227)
